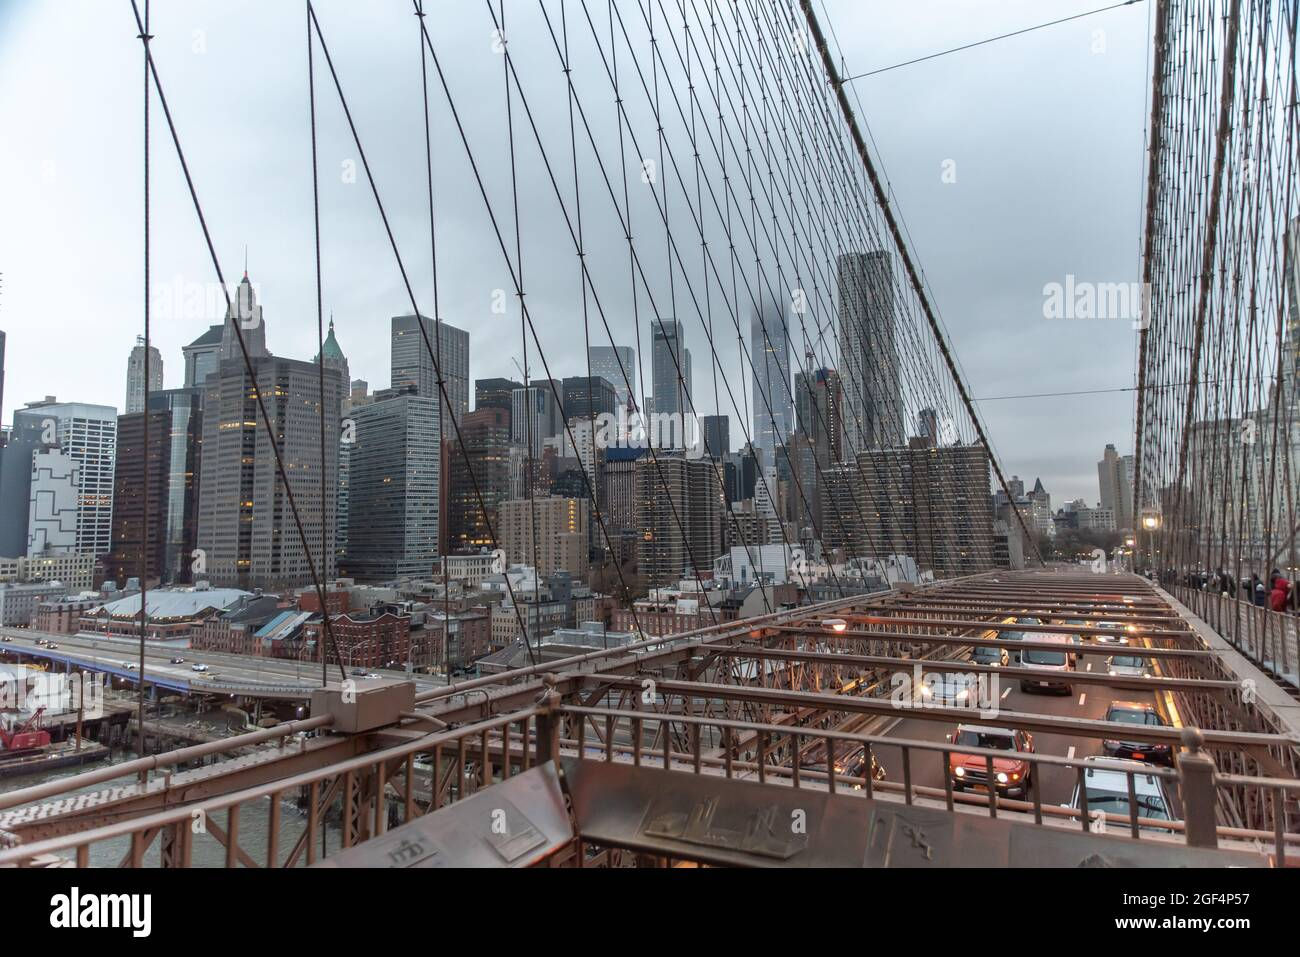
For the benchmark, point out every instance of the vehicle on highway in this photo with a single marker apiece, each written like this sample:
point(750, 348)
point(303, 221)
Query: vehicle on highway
point(1107, 791)
point(41, 642)
point(1111, 633)
point(1140, 715)
point(5, 638)
point(178, 661)
point(989, 655)
point(950, 689)
point(52, 646)
point(1011, 775)
point(359, 672)
point(130, 665)
point(1020, 635)
point(1054, 665)
point(1128, 666)
point(199, 667)
point(849, 762)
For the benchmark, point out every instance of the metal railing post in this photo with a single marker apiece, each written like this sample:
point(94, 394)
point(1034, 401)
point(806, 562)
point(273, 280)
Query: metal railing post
point(1196, 772)
point(548, 722)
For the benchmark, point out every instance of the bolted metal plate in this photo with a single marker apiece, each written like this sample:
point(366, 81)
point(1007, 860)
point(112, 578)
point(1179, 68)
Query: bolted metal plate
point(739, 823)
point(516, 823)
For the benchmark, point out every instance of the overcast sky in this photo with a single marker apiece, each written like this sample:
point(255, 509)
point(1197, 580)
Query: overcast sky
point(1044, 133)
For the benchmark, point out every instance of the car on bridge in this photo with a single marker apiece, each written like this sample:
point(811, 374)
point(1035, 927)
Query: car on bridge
point(950, 689)
point(1055, 666)
point(1011, 775)
point(5, 638)
point(1140, 715)
point(1107, 791)
point(1128, 666)
point(178, 661)
point(199, 667)
point(1111, 633)
point(851, 762)
point(989, 655)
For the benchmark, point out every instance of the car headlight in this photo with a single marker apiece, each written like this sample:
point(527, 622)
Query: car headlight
point(960, 772)
point(1002, 777)
point(926, 691)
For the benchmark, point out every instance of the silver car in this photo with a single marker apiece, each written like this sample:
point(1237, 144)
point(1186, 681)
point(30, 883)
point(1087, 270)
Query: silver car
point(1128, 666)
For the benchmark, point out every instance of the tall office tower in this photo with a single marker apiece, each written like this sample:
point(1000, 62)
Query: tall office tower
point(819, 399)
point(495, 393)
point(873, 400)
point(135, 375)
point(667, 551)
point(1288, 387)
point(769, 353)
point(535, 415)
point(2, 382)
point(88, 435)
point(1115, 479)
point(485, 461)
point(932, 505)
point(202, 356)
point(245, 526)
point(1017, 487)
point(585, 397)
point(717, 435)
point(336, 360)
point(412, 363)
point(549, 532)
point(927, 427)
point(616, 365)
point(393, 486)
point(161, 548)
point(671, 390)
point(740, 473)
point(52, 507)
point(358, 395)
point(243, 322)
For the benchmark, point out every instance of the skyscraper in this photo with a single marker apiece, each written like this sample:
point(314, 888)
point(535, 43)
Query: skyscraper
point(88, 435)
point(135, 374)
point(549, 532)
point(246, 529)
point(819, 399)
point(717, 435)
point(202, 356)
point(769, 353)
point(495, 393)
point(672, 366)
point(617, 365)
point(2, 381)
point(164, 553)
point(244, 313)
point(535, 415)
point(485, 460)
point(680, 506)
point(1115, 482)
point(873, 402)
point(585, 397)
point(393, 488)
point(412, 363)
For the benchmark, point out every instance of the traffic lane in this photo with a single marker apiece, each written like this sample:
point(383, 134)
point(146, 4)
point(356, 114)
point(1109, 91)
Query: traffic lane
point(1056, 786)
point(25, 640)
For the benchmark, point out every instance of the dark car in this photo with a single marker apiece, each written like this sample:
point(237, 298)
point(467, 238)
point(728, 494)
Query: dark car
point(1139, 715)
point(989, 655)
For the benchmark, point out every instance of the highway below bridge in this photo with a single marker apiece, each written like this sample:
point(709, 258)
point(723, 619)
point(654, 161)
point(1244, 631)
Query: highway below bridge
point(243, 676)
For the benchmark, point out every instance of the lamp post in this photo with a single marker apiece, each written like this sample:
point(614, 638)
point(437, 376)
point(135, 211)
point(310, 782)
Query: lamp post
point(1151, 523)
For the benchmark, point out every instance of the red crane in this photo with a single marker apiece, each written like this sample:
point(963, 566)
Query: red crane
point(28, 736)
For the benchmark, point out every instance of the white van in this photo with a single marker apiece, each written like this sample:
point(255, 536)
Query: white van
point(1055, 666)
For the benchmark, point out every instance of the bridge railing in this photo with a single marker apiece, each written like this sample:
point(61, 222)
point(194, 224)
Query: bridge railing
point(363, 791)
point(777, 756)
point(1268, 638)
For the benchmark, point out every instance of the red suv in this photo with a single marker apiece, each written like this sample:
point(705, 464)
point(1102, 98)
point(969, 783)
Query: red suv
point(1010, 774)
